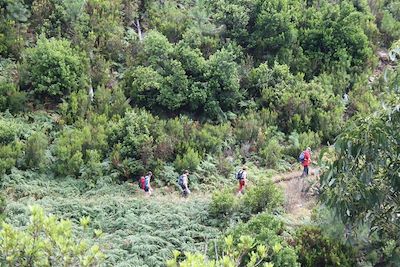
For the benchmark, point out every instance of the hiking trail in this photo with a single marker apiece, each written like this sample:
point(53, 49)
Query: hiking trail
point(298, 204)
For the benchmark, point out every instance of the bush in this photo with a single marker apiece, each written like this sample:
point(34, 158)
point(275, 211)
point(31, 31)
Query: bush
point(68, 150)
point(211, 139)
point(47, 241)
point(35, 150)
point(316, 249)
point(188, 161)
point(262, 195)
point(74, 107)
point(74, 147)
point(223, 203)
point(299, 142)
point(53, 68)
point(271, 148)
point(267, 230)
point(10, 98)
point(3, 204)
point(11, 147)
point(110, 102)
point(233, 254)
point(168, 175)
point(93, 167)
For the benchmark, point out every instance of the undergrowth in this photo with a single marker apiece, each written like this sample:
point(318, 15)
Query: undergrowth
point(137, 231)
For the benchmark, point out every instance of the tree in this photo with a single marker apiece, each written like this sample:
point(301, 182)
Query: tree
point(333, 38)
point(362, 183)
point(47, 241)
point(234, 16)
point(223, 85)
point(275, 30)
point(53, 68)
point(13, 18)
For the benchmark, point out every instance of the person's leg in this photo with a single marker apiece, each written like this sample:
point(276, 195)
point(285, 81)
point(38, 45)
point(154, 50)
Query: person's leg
point(305, 171)
point(187, 191)
point(304, 182)
point(243, 186)
point(182, 190)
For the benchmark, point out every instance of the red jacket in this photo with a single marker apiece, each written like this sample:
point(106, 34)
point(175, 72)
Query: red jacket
point(307, 158)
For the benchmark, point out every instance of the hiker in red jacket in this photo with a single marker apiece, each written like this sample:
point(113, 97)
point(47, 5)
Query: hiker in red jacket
point(307, 161)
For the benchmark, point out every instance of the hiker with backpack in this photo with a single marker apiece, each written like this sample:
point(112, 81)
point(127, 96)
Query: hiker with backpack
point(183, 183)
point(241, 176)
point(305, 159)
point(144, 183)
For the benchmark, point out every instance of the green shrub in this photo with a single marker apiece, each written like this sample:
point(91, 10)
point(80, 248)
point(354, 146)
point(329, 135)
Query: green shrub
point(3, 204)
point(267, 230)
point(271, 153)
point(215, 172)
point(11, 130)
point(299, 142)
point(212, 139)
point(74, 107)
point(10, 98)
point(271, 147)
point(110, 102)
point(316, 249)
point(35, 150)
point(234, 254)
point(262, 195)
point(223, 204)
point(11, 147)
point(168, 176)
point(53, 68)
point(390, 24)
point(247, 128)
point(93, 167)
point(47, 241)
point(188, 161)
point(160, 224)
point(68, 150)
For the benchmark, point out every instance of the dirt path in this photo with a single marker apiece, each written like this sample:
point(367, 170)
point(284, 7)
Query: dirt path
point(384, 63)
point(298, 204)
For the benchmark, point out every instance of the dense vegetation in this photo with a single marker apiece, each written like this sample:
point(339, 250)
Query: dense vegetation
point(94, 93)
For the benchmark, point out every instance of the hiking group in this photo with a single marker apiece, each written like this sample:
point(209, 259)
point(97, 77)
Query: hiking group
point(241, 176)
point(183, 182)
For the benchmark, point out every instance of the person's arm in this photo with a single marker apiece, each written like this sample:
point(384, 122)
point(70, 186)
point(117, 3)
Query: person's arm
point(185, 181)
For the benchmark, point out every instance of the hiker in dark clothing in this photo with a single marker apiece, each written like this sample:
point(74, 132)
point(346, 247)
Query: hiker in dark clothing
point(183, 183)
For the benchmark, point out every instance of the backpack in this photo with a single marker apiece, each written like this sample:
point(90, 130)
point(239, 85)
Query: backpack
point(239, 175)
point(180, 180)
point(142, 182)
point(301, 157)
